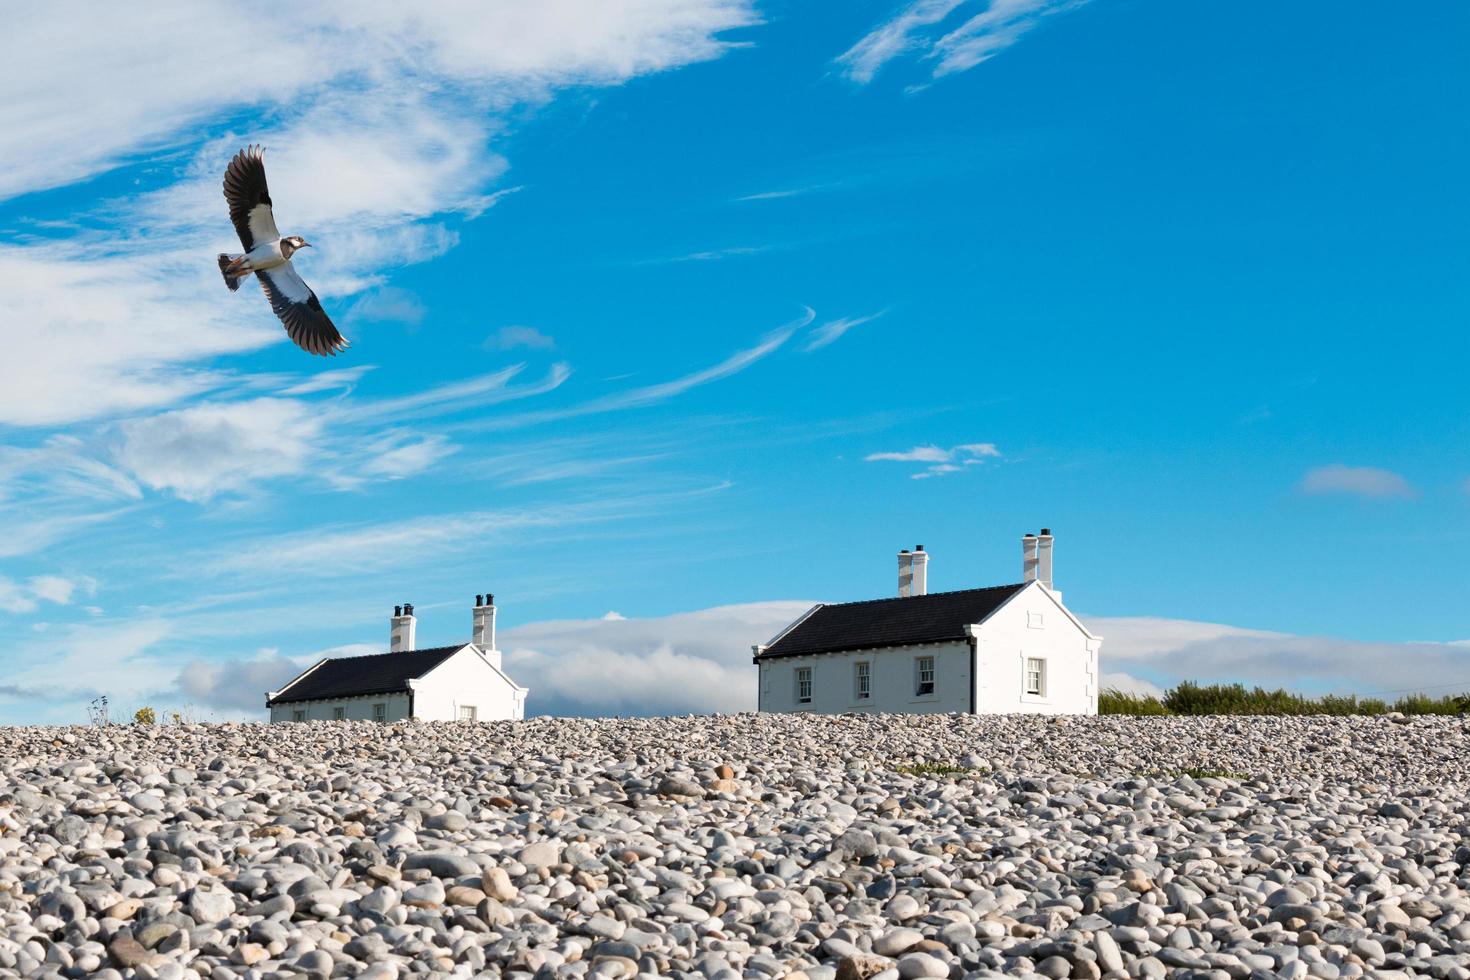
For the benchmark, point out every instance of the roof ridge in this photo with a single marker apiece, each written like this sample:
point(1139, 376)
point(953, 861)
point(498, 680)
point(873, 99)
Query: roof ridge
point(926, 595)
point(399, 653)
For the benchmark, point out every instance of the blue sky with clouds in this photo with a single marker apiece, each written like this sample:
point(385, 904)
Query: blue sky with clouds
point(697, 310)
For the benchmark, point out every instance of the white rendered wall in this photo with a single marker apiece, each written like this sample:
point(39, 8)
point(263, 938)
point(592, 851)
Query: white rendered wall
point(894, 676)
point(357, 709)
point(1032, 624)
point(466, 679)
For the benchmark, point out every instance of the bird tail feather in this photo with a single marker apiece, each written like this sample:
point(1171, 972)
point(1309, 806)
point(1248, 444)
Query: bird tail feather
point(231, 279)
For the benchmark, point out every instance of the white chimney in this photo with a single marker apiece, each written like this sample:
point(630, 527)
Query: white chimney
point(920, 566)
point(1043, 557)
point(905, 574)
point(1028, 558)
point(484, 631)
point(403, 627)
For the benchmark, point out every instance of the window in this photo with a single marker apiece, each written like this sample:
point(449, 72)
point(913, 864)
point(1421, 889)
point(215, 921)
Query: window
point(339, 713)
point(1035, 676)
point(804, 685)
point(298, 714)
point(380, 712)
point(863, 676)
point(466, 712)
point(1035, 621)
point(924, 681)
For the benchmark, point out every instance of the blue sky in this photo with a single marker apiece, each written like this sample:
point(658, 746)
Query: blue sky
point(646, 297)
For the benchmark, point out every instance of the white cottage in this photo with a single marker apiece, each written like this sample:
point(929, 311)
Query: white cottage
point(1006, 648)
point(463, 682)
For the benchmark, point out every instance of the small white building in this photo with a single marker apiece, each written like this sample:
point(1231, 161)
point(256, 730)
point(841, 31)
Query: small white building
point(1006, 648)
point(463, 682)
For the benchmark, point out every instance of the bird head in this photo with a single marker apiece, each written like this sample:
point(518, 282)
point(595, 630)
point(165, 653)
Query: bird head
point(292, 243)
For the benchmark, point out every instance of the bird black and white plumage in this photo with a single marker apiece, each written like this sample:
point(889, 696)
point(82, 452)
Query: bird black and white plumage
point(268, 256)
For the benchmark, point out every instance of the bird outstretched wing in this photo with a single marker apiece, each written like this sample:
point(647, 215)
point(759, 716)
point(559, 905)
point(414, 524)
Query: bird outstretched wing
point(250, 200)
point(293, 301)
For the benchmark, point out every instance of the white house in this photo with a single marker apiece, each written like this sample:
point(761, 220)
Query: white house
point(1006, 648)
point(463, 682)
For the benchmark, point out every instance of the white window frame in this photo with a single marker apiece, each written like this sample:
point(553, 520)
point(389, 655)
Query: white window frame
point(468, 712)
point(923, 688)
point(1034, 667)
point(803, 678)
point(380, 711)
point(298, 714)
point(862, 680)
point(339, 712)
point(1035, 620)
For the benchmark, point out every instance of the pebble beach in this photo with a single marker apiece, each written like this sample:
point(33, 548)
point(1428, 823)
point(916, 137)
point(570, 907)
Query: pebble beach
point(740, 846)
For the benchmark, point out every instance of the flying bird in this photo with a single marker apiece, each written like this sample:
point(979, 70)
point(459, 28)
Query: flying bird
point(268, 256)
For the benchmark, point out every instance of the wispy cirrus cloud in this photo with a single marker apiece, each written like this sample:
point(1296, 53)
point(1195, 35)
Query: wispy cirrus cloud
point(915, 29)
point(712, 255)
point(653, 394)
point(777, 195)
point(941, 460)
point(832, 331)
point(1356, 481)
point(240, 446)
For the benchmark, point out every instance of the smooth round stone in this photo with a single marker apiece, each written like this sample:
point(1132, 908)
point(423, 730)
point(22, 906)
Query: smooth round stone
point(896, 941)
point(912, 965)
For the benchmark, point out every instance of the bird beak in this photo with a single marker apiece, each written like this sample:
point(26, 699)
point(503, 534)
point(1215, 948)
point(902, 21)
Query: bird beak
point(306, 244)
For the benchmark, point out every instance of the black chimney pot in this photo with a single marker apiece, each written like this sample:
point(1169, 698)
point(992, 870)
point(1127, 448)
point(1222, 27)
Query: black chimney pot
point(398, 610)
point(479, 601)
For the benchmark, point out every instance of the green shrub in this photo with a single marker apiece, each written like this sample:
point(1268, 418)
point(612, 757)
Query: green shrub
point(144, 716)
point(1191, 698)
point(1115, 702)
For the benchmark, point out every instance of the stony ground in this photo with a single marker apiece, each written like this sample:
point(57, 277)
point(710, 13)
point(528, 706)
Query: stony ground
point(731, 847)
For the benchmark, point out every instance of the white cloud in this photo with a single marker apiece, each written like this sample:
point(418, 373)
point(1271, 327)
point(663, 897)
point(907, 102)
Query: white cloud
point(239, 686)
point(54, 588)
point(1128, 684)
point(379, 119)
point(89, 91)
point(70, 666)
point(88, 336)
point(1358, 481)
point(509, 338)
point(206, 450)
point(1166, 651)
point(943, 461)
point(832, 330)
point(686, 662)
point(982, 36)
point(388, 304)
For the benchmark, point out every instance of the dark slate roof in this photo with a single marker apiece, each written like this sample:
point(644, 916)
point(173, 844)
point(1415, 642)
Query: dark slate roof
point(381, 673)
point(932, 618)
